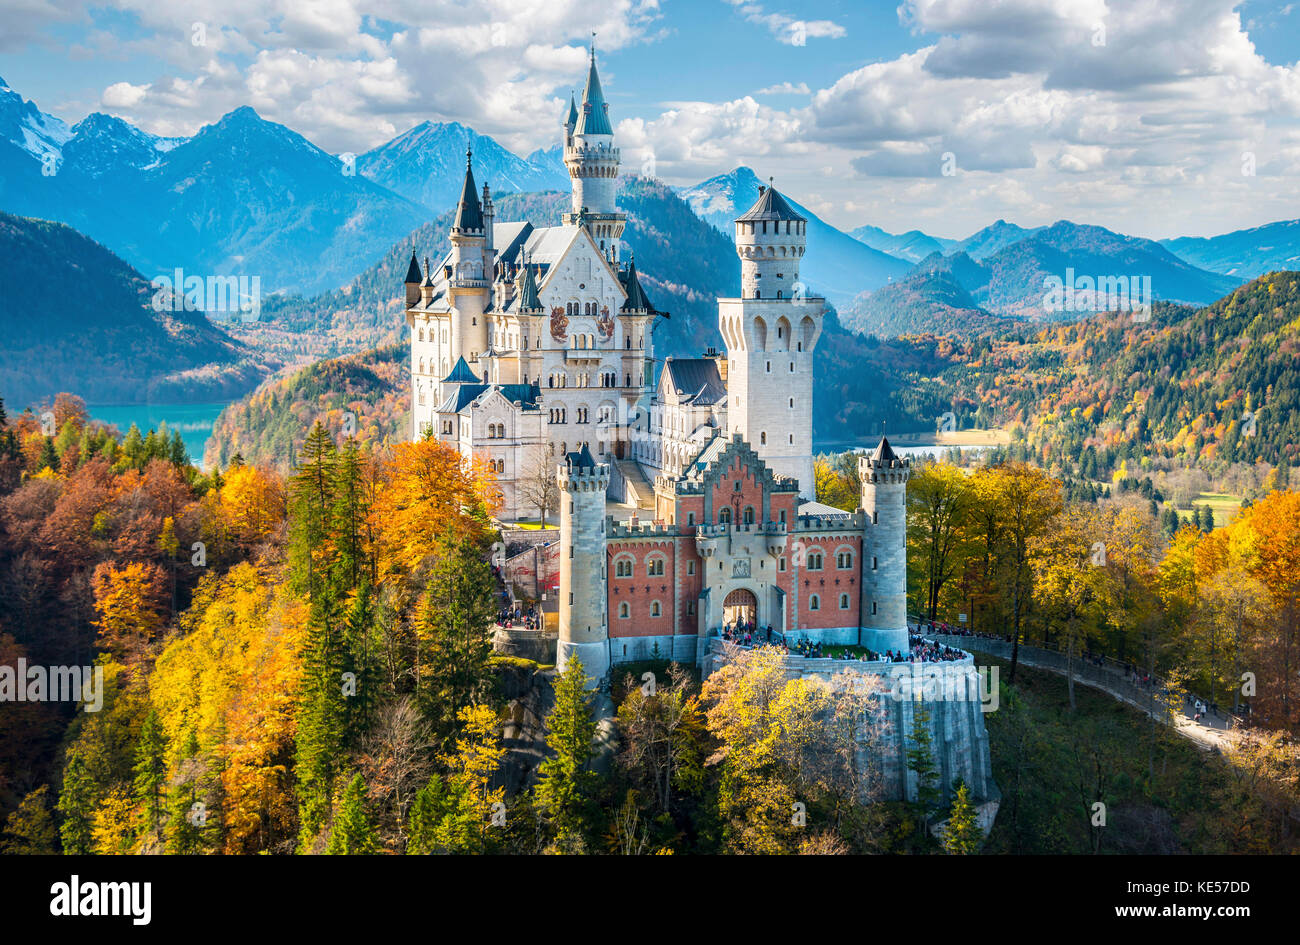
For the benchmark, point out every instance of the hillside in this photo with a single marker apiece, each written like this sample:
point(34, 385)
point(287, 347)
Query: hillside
point(929, 300)
point(76, 317)
point(1180, 389)
point(269, 425)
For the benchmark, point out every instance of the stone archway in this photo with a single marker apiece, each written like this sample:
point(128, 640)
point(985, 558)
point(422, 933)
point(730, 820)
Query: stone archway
point(740, 607)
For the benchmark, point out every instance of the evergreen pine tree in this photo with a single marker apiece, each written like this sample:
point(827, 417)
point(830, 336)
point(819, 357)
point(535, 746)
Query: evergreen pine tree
point(76, 804)
point(566, 783)
point(920, 761)
point(353, 834)
point(150, 771)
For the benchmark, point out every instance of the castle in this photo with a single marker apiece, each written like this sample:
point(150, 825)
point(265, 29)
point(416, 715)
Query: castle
point(684, 505)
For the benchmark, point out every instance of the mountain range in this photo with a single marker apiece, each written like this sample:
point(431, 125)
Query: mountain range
point(967, 288)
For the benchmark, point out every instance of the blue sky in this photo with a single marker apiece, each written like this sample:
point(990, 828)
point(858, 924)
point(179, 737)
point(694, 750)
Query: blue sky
point(1134, 115)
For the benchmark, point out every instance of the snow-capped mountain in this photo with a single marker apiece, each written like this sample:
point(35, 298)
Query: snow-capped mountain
point(103, 144)
point(28, 128)
point(837, 265)
point(427, 165)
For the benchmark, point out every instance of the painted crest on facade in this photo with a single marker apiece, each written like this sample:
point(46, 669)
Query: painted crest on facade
point(740, 568)
point(605, 324)
point(559, 323)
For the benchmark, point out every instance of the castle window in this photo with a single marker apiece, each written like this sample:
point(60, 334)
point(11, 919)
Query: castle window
point(791, 367)
point(724, 517)
point(654, 609)
point(623, 568)
point(769, 367)
point(783, 516)
point(690, 518)
point(875, 517)
point(749, 515)
point(814, 561)
point(624, 611)
point(690, 608)
point(844, 559)
point(844, 602)
point(779, 294)
point(473, 321)
point(780, 564)
point(762, 439)
point(739, 485)
point(791, 403)
point(814, 603)
point(800, 348)
point(655, 567)
point(873, 608)
point(690, 568)
point(873, 562)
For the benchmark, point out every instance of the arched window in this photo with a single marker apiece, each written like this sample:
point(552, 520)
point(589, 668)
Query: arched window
point(724, 516)
point(844, 602)
point(814, 603)
point(748, 515)
point(654, 609)
point(655, 566)
point(623, 567)
point(624, 611)
point(814, 561)
point(843, 559)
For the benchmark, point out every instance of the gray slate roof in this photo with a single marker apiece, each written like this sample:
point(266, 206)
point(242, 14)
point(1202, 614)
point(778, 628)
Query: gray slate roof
point(770, 206)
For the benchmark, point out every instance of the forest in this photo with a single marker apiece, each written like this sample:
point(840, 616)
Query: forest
point(301, 661)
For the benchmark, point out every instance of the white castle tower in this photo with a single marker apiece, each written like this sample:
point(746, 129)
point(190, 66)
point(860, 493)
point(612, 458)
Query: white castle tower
point(884, 549)
point(592, 161)
point(584, 622)
point(470, 264)
point(771, 332)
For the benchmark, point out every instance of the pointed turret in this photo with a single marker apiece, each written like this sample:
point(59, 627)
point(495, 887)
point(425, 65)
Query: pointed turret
point(413, 279)
point(461, 374)
point(528, 298)
point(572, 121)
point(637, 301)
point(469, 212)
point(594, 116)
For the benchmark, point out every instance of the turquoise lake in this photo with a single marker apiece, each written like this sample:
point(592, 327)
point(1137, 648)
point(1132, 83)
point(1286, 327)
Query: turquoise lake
point(194, 421)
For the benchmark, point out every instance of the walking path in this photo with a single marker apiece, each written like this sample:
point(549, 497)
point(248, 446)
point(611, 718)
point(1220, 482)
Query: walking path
point(1212, 733)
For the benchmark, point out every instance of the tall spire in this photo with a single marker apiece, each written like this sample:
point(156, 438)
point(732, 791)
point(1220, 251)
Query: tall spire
point(572, 120)
point(469, 213)
point(594, 117)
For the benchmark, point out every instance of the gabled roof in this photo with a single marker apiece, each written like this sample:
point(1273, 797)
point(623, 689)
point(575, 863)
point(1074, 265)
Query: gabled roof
point(413, 271)
point(770, 206)
point(693, 380)
point(469, 212)
point(594, 116)
point(461, 374)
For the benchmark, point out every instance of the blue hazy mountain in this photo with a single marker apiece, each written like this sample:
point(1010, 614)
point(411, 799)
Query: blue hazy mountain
point(836, 265)
point(912, 245)
point(427, 165)
point(244, 196)
point(1246, 254)
point(112, 345)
